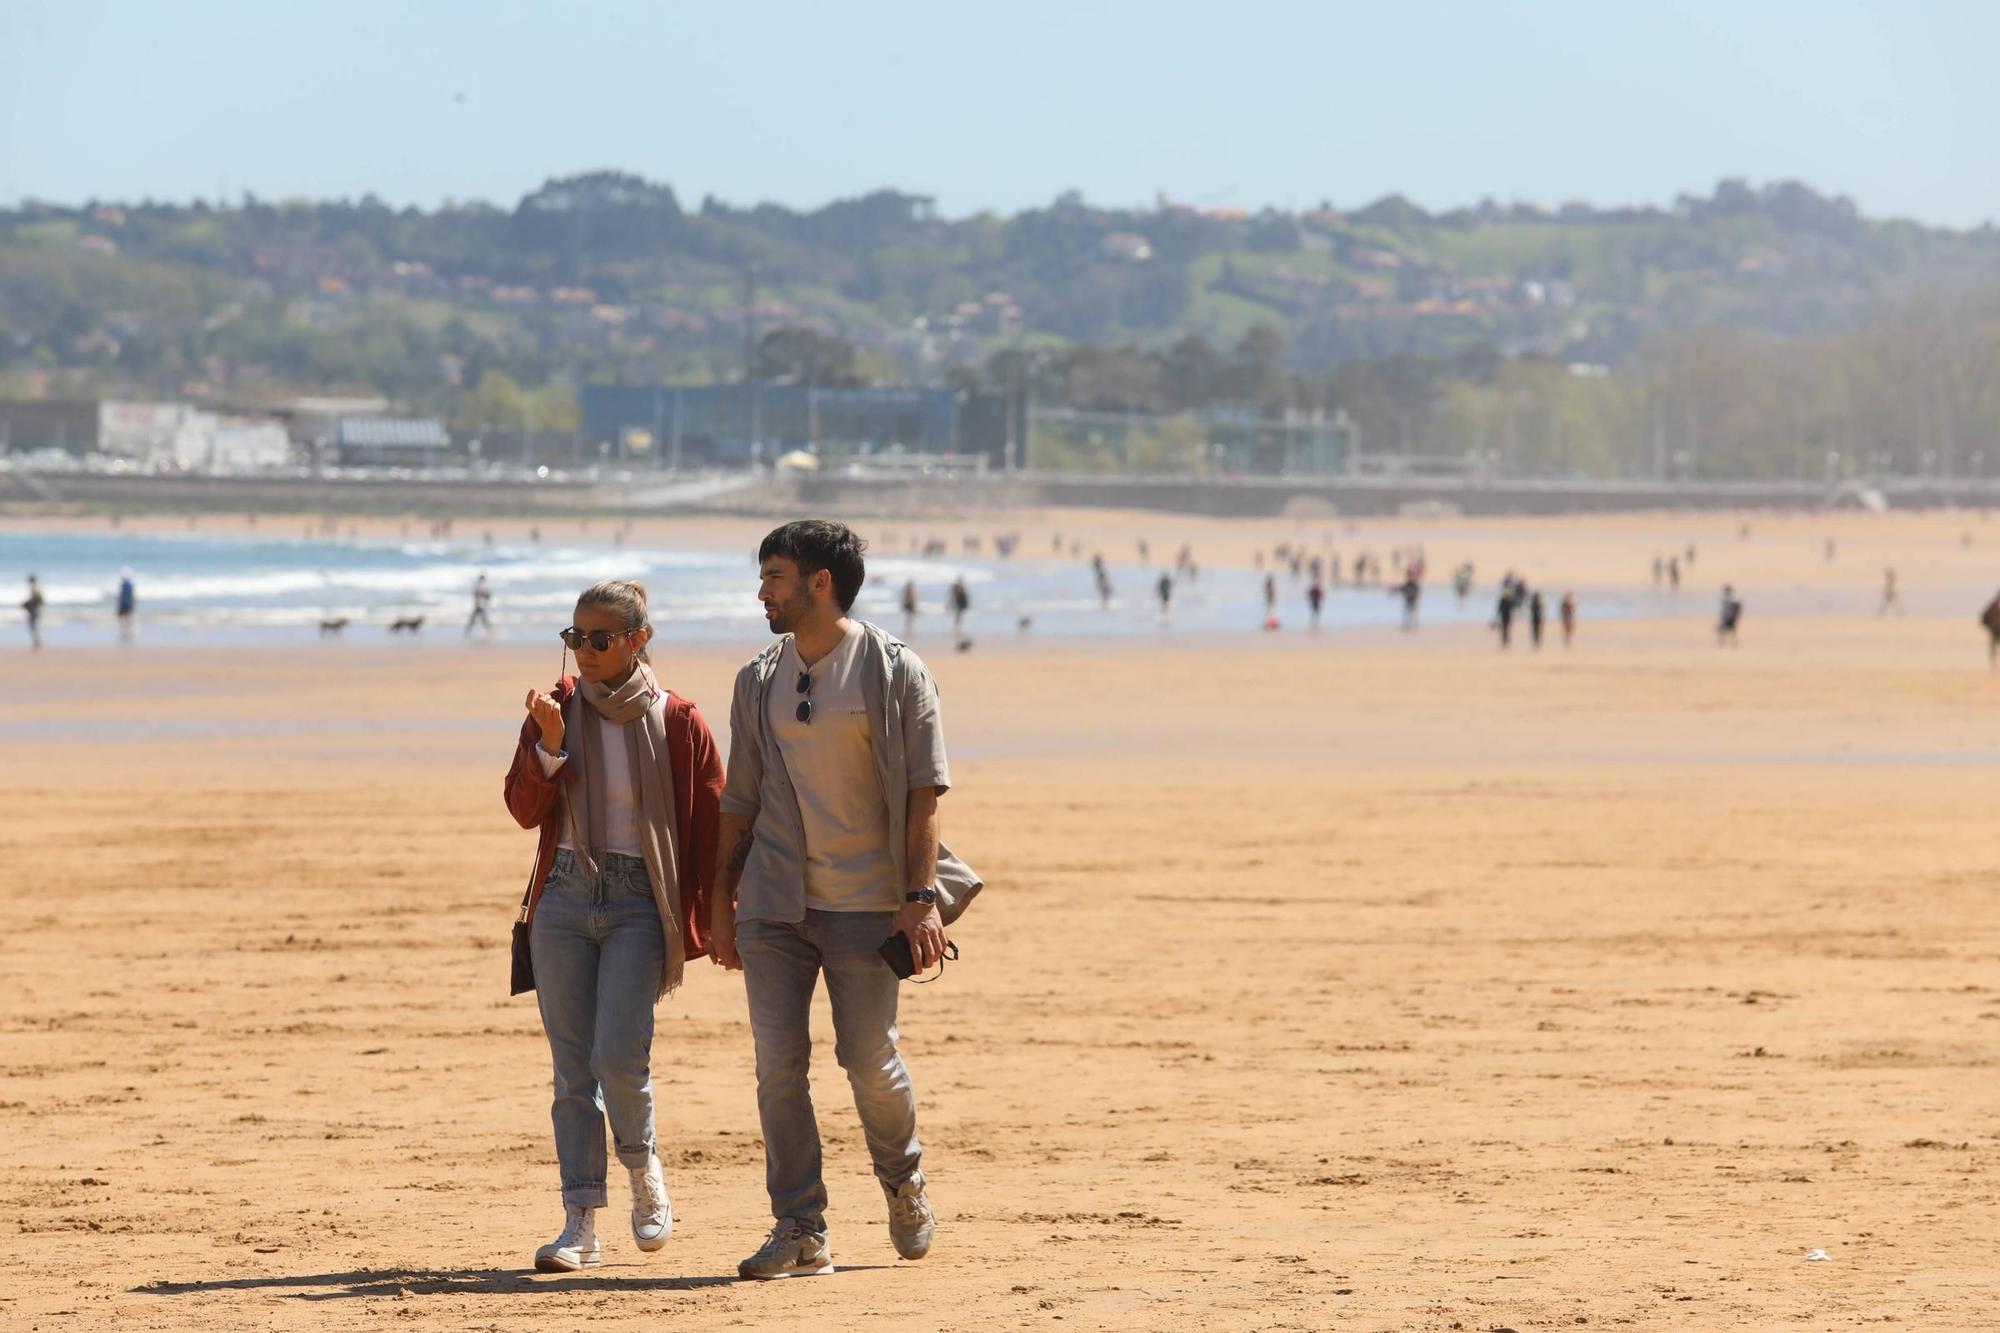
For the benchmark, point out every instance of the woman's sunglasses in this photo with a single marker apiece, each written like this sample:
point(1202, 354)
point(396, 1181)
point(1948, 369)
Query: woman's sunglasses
point(805, 709)
point(600, 640)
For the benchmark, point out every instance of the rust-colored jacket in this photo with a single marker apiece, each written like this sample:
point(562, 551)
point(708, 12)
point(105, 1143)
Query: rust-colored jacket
point(535, 801)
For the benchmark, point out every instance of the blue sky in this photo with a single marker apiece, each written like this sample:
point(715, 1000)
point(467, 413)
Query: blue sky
point(1006, 105)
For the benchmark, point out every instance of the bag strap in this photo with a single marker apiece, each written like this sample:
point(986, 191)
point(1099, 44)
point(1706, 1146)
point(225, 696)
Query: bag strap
point(950, 954)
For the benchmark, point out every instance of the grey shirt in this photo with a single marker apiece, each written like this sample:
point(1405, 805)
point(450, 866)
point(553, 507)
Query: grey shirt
point(908, 736)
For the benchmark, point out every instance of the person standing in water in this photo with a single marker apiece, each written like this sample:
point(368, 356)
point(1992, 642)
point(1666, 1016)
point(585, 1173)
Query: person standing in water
point(961, 602)
point(1503, 614)
point(624, 782)
point(909, 607)
point(482, 593)
point(33, 607)
point(1315, 599)
point(1410, 590)
point(1536, 611)
point(128, 605)
point(1568, 617)
point(1164, 590)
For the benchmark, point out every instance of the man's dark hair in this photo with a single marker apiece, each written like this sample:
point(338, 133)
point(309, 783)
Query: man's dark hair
point(814, 544)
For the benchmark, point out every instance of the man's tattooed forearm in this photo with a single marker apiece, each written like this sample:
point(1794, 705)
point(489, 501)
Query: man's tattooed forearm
point(739, 855)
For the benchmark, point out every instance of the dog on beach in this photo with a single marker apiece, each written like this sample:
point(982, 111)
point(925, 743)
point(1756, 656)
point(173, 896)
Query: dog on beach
point(414, 624)
point(332, 628)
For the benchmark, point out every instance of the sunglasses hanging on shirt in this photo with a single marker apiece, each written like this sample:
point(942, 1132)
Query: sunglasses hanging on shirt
point(804, 712)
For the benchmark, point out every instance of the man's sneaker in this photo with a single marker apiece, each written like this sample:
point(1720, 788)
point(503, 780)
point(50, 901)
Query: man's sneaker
point(910, 1218)
point(791, 1251)
point(652, 1214)
point(576, 1247)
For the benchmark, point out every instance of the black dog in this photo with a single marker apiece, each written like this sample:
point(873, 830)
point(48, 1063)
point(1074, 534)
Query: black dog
point(414, 624)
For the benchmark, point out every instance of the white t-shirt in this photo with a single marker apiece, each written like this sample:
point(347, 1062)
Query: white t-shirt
point(831, 760)
point(621, 813)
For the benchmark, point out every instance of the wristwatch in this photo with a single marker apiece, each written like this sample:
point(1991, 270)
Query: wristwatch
point(928, 897)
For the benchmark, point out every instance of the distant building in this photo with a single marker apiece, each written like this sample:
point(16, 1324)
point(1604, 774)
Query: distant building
point(741, 423)
point(177, 435)
point(70, 426)
point(314, 420)
point(390, 441)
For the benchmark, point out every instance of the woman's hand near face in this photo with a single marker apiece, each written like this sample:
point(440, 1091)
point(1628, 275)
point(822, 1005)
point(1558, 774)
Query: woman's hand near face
point(548, 716)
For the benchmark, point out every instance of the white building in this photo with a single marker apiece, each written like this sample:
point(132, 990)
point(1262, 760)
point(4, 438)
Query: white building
point(176, 435)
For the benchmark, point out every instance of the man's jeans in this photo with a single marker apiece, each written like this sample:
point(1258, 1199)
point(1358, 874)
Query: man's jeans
point(598, 954)
point(781, 964)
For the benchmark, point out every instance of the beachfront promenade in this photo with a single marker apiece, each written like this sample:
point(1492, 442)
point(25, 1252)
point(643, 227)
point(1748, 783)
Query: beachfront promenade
point(355, 491)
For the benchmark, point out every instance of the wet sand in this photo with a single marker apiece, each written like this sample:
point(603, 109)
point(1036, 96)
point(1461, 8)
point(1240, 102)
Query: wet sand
point(1368, 981)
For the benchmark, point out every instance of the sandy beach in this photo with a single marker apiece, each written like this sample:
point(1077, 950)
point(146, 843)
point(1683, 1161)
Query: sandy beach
point(1367, 980)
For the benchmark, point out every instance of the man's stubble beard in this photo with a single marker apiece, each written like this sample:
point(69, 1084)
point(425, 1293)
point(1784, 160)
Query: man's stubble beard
point(790, 611)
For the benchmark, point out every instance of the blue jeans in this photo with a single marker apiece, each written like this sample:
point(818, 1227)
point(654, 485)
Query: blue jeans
point(781, 965)
point(598, 955)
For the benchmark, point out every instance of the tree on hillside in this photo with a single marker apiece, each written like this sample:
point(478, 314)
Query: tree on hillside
point(806, 356)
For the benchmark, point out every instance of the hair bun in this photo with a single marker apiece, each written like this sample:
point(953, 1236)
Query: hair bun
point(638, 590)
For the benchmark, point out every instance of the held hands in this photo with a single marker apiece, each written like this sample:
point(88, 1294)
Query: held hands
point(722, 935)
point(925, 929)
point(548, 716)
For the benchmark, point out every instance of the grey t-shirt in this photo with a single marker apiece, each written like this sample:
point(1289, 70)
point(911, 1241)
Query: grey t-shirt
point(848, 865)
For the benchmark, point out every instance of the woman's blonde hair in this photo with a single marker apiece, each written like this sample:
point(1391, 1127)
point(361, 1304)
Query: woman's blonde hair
point(625, 598)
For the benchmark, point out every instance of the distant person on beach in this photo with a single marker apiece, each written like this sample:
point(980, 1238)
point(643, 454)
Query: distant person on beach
point(960, 601)
point(1729, 617)
point(1536, 612)
point(1568, 613)
point(1164, 590)
point(1461, 581)
point(1674, 574)
point(909, 607)
point(128, 605)
point(1503, 614)
point(1410, 590)
point(1990, 618)
point(1659, 570)
point(1315, 599)
point(33, 607)
point(1103, 577)
point(1890, 601)
point(1270, 594)
point(829, 854)
point(482, 594)
point(623, 780)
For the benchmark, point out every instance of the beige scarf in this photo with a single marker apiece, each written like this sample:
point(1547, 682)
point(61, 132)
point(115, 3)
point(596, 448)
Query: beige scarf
point(641, 700)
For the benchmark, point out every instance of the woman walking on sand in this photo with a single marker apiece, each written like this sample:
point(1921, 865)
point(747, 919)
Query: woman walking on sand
point(623, 780)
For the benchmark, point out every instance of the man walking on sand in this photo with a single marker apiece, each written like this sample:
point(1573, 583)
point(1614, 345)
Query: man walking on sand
point(828, 850)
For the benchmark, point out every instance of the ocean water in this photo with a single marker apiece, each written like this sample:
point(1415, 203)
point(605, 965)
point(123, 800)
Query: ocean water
point(203, 588)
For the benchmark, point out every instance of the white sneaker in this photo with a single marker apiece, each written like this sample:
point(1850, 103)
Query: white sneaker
point(652, 1213)
point(576, 1247)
